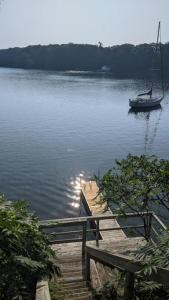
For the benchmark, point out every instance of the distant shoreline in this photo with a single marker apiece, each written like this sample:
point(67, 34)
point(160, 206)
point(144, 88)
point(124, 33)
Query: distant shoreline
point(126, 61)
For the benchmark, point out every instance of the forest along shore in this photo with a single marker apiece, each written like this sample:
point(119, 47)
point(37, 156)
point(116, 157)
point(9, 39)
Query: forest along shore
point(121, 60)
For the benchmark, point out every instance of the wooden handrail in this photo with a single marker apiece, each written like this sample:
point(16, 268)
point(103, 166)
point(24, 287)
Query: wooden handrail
point(83, 233)
point(122, 262)
point(83, 221)
point(77, 221)
point(94, 230)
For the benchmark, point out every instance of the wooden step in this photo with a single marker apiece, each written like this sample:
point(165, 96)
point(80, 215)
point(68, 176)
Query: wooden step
point(67, 273)
point(70, 263)
point(73, 289)
point(72, 297)
point(87, 296)
point(69, 259)
point(70, 285)
point(71, 279)
point(74, 292)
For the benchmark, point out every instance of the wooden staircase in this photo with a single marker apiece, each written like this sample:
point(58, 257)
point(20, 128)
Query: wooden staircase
point(97, 244)
point(72, 285)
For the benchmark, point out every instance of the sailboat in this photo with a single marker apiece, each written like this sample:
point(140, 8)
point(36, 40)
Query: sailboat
point(148, 100)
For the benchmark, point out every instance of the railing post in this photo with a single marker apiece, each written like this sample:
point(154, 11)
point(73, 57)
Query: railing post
point(129, 286)
point(97, 232)
point(88, 278)
point(147, 225)
point(84, 240)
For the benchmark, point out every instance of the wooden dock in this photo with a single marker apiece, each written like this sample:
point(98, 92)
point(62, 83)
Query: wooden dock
point(96, 206)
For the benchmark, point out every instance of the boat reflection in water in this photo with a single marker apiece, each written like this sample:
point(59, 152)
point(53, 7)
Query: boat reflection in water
point(150, 131)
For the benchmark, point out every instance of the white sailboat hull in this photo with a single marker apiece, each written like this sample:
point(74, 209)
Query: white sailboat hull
point(141, 102)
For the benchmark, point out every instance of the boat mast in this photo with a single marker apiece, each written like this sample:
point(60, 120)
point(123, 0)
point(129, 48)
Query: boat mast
point(159, 45)
point(158, 34)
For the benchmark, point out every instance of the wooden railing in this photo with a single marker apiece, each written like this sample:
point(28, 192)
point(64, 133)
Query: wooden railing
point(124, 263)
point(92, 225)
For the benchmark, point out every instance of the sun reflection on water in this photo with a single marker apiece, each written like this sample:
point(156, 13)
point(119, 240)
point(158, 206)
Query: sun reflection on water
point(76, 186)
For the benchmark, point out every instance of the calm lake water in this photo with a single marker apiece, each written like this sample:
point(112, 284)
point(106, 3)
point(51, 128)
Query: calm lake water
point(56, 128)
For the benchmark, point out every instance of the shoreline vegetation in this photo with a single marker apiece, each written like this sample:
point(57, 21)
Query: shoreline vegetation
point(124, 60)
point(25, 256)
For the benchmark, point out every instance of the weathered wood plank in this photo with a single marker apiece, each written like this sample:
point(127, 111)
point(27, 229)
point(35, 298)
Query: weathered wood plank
point(42, 291)
point(95, 275)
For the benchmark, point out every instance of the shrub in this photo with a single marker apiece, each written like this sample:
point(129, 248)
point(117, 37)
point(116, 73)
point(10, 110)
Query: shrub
point(25, 256)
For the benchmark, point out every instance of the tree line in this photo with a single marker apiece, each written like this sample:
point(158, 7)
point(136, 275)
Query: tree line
point(121, 60)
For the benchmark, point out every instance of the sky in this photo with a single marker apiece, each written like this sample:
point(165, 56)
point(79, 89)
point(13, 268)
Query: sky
point(112, 22)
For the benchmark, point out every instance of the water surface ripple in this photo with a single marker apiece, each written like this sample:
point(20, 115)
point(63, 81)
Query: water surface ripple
point(56, 128)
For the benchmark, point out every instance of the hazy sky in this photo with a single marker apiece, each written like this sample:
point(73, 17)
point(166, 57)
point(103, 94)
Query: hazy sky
point(25, 22)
